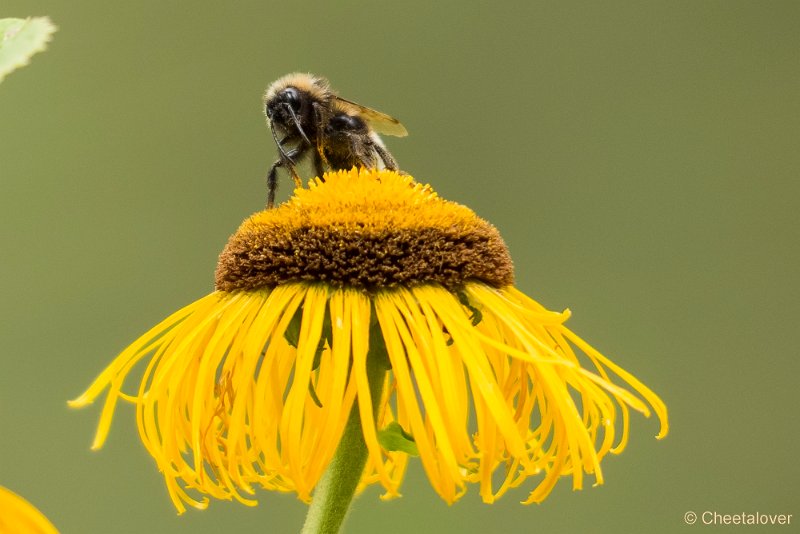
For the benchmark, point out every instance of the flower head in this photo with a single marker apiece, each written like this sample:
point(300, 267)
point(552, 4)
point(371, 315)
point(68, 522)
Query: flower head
point(252, 384)
point(18, 516)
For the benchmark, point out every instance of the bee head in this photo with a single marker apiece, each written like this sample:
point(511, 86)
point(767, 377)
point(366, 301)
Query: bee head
point(278, 106)
point(291, 112)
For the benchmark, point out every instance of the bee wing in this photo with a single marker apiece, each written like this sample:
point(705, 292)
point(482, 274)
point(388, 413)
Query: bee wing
point(380, 122)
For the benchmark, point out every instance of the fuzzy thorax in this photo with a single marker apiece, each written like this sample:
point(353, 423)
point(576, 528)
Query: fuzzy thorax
point(365, 229)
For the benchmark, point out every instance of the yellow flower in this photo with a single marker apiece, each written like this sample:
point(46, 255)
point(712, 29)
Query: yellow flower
point(18, 516)
point(252, 385)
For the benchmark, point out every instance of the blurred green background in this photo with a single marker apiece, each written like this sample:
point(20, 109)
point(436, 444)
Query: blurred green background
point(641, 160)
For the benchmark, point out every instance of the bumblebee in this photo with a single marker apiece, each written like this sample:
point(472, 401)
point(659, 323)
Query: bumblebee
point(308, 120)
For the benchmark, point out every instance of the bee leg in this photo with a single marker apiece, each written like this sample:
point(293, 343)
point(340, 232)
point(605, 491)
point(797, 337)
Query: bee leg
point(321, 120)
point(298, 182)
point(388, 161)
point(287, 161)
point(361, 152)
point(320, 170)
point(272, 182)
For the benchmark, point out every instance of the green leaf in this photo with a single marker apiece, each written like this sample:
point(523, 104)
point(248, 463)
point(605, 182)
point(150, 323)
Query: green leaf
point(377, 345)
point(313, 393)
point(476, 315)
point(449, 342)
point(292, 336)
point(292, 332)
point(20, 39)
point(394, 438)
point(326, 338)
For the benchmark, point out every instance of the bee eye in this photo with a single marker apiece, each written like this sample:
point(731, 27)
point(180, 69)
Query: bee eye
point(291, 96)
point(346, 122)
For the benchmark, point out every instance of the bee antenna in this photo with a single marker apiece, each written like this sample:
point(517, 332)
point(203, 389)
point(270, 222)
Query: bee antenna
point(297, 124)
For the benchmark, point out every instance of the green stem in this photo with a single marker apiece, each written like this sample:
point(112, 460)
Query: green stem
point(336, 488)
